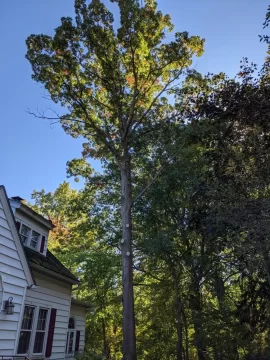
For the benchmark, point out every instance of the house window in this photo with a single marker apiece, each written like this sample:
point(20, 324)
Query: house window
point(25, 231)
point(70, 336)
point(40, 331)
point(31, 237)
point(26, 330)
point(34, 239)
point(33, 331)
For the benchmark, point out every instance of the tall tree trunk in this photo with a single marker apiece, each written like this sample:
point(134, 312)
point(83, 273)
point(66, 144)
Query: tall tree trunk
point(231, 347)
point(106, 348)
point(186, 334)
point(129, 337)
point(220, 292)
point(179, 345)
point(266, 258)
point(178, 315)
point(196, 305)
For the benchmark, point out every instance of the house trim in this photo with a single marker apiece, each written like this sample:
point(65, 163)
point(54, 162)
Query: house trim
point(80, 303)
point(11, 221)
point(53, 274)
point(33, 215)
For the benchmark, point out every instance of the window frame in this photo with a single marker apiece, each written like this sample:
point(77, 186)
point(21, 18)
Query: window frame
point(32, 230)
point(37, 241)
point(34, 331)
point(28, 234)
point(69, 331)
point(45, 331)
point(27, 330)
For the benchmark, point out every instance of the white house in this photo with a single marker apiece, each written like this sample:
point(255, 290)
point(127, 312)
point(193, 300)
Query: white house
point(39, 319)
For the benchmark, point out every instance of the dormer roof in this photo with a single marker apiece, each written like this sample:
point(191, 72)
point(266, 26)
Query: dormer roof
point(49, 265)
point(31, 213)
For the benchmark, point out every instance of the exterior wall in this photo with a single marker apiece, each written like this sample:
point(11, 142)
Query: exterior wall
point(17, 281)
point(51, 293)
point(78, 312)
point(14, 285)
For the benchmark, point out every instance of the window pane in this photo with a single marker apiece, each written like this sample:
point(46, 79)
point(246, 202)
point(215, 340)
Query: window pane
point(42, 316)
point(25, 230)
point(71, 324)
point(70, 343)
point(28, 318)
point(24, 342)
point(33, 244)
point(34, 239)
point(24, 233)
point(39, 340)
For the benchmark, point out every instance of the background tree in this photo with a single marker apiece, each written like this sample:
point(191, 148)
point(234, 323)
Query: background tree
point(233, 125)
point(78, 241)
point(200, 246)
point(200, 233)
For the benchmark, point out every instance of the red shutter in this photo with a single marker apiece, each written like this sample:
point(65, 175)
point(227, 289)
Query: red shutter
point(77, 344)
point(50, 333)
point(42, 245)
point(18, 225)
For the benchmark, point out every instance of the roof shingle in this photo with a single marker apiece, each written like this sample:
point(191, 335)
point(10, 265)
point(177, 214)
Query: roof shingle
point(49, 262)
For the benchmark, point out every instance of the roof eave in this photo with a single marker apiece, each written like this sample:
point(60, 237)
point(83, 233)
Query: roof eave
point(53, 274)
point(35, 216)
point(80, 303)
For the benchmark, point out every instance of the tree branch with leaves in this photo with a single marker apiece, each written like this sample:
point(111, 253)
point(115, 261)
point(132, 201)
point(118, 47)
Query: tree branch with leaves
point(114, 85)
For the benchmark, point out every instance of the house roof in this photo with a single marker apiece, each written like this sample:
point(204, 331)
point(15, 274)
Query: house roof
point(32, 214)
point(50, 265)
point(31, 259)
point(80, 303)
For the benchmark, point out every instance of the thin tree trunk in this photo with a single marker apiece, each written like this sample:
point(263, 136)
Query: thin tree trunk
point(129, 337)
point(186, 335)
point(196, 305)
point(220, 353)
point(179, 346)
point(266, 261)
point(106, 349)
point(179, 323)
point(220, 292)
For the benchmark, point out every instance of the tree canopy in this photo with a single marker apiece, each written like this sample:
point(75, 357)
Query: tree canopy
point(176, 227)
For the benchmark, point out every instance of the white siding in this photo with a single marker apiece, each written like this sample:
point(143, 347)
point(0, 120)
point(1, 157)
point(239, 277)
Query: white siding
point(51, 293)
point(78, 312)
point(14, 285)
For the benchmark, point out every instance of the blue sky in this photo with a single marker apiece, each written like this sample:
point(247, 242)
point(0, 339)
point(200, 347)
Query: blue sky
point(33, 154)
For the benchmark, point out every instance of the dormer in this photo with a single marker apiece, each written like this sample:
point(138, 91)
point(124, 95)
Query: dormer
point(33, 228)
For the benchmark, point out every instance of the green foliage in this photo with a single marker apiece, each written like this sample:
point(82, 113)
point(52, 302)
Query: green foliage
point(89, 355)
point(200, 178)
point(112, 82)
point(77, 243)
point(203, 226)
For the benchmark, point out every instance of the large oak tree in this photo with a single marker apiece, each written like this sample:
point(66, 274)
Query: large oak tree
point(114, 85)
